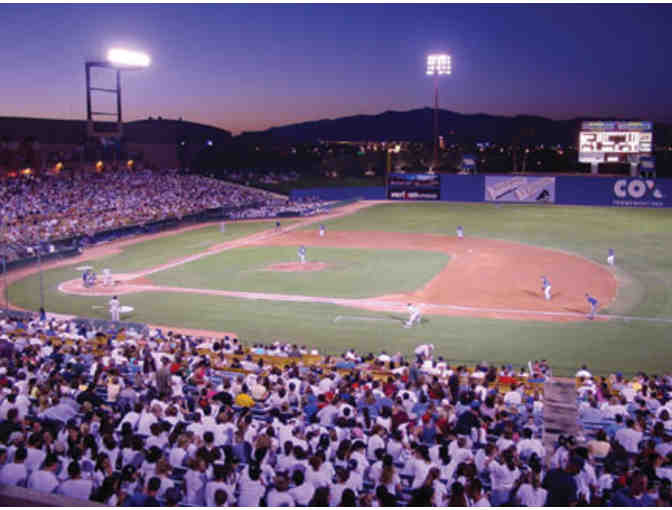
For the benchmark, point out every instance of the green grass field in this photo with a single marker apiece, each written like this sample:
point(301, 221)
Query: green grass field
point(641, 237)
point(349, 273)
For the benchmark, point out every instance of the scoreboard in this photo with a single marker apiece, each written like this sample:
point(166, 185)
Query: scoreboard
point(614, 141)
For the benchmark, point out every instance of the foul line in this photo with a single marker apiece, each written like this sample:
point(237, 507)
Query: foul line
point(359, 318)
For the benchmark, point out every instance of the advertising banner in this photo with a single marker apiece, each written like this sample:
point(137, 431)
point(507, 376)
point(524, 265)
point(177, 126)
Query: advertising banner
point(519, 189)
point(414, 187)
point(609, 191)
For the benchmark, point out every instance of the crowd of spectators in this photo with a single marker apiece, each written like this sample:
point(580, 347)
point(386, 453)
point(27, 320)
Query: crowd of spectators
point(37, 209)
point(256, 177)
point(134, 419)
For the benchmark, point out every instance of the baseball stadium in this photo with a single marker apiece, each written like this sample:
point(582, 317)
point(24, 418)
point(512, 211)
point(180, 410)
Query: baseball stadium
point(408, 308)
point(481, 296)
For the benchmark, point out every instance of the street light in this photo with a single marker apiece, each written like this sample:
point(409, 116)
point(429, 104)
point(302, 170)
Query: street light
point(438, 64)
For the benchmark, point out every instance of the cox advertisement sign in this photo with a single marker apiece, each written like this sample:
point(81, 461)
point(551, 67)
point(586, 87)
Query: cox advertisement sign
point(638, 193)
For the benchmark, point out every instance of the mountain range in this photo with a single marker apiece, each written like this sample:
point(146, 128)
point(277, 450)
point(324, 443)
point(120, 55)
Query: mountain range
point(454, 127)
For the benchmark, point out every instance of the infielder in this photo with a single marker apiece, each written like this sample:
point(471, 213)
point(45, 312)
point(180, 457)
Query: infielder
point(610, 257)
point(107, 277)
point(460, 232)
point(322, 230)
point(593, 306)
point(415, 315)
point(302, 254)
point(546, 287)
point(115, 307)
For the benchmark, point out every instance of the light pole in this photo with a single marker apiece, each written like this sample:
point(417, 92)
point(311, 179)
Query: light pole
point(438, 64)
point(118, 60)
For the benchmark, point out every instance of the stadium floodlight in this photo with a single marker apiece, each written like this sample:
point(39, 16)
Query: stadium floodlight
point(438, 64)
point(118, 60)
point(127, 58)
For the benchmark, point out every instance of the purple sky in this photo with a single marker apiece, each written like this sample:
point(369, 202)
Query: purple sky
point(250, 67)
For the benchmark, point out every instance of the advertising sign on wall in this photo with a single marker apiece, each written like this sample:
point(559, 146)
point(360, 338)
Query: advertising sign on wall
point(638, 193)
point(519, 189)
point(414, 187)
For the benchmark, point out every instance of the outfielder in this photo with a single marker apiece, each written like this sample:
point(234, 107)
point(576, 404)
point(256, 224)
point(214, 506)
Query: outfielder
point(115, 307)
point(322, 230)
point(610, 257)
point(546, 287)
point(460, 232)
point(415, 315)
point(302, 254)
point(593, 306)
point(222, 227)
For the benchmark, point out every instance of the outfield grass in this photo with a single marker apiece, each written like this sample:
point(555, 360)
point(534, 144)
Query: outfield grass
point(350, 273)
point(641, 238)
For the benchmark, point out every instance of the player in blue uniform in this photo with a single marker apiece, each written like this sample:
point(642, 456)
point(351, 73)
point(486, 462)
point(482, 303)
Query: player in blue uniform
point(546, 287)
point(593, 306)
point(302, 254)
point(610, 257)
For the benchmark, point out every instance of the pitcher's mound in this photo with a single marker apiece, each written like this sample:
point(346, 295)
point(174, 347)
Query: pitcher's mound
point(293, 267)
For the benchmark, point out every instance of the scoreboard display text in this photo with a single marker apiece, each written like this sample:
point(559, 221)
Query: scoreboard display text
point(614, 142)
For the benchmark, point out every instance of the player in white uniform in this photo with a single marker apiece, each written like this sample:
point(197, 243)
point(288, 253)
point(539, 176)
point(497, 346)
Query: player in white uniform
point(115, 308)
point(460, 232)
point(107, 277)
point(610, 257)
point(425, 351)
point(302, 254)
point(322, 230)
point(415, 315)
point(546, 287)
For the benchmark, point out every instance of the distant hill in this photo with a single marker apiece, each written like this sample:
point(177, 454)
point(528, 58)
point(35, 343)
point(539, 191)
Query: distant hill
point(418, 125)
point(147, 131)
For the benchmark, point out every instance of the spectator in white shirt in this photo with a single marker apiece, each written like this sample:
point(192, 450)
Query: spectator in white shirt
point(629, 436)
point(44, 480)
point(302, 492)
point(15, 473)
point(280, 495)
point(531, 493)
point(75, 486)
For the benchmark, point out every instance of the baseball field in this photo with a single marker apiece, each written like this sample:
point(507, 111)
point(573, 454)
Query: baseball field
point(480, 296)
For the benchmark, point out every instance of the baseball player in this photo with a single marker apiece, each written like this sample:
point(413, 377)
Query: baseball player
point(107, 277)
point(302, 254)
point(115, 307)
point(546, 287)
point(322, 230)
point(610, 257)
point(277, 226)
point(593, 306)
point(460, 232)
point(415, 315)
point(222, 227)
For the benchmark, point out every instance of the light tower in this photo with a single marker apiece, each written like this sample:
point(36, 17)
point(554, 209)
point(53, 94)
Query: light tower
point(438, 64)
point(118, 60)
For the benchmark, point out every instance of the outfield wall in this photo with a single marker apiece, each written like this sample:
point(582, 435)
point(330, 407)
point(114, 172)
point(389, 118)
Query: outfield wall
point(562, 190)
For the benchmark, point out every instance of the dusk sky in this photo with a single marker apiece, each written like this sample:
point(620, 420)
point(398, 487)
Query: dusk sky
point(251, 67)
